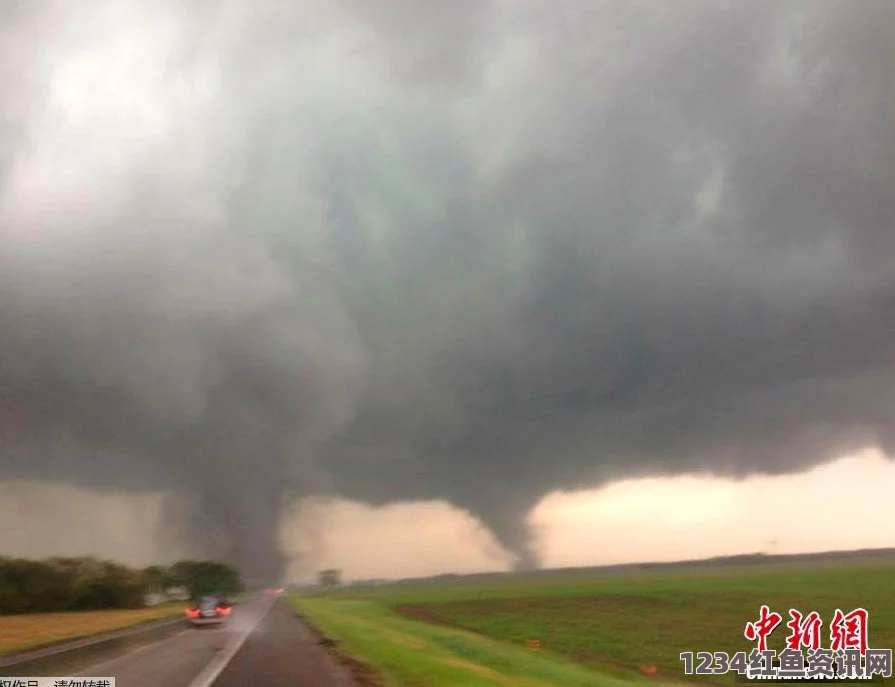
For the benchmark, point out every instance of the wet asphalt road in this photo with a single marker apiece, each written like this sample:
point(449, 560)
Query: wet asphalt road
point(263, 644)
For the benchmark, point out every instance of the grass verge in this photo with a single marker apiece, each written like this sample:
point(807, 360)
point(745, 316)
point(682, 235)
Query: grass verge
point(614, 624)
point(33, 631)
point(405, 652)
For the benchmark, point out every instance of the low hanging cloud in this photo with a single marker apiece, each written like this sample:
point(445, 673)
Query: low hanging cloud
point(688, 517)
point(254, 253)
point(410, 539)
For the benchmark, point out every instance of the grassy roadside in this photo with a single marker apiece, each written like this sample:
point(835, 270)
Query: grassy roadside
point(615, 624)
point(33, 631)
point(592, 628)
point(405, 652)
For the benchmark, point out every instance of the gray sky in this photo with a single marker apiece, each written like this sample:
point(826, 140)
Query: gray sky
point(477, 253)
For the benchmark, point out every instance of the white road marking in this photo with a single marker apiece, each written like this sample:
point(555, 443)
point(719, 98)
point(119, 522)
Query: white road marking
point(100, 667)
point(216, 666)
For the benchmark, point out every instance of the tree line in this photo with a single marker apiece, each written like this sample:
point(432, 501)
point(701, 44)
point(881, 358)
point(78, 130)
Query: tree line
point(87, 584)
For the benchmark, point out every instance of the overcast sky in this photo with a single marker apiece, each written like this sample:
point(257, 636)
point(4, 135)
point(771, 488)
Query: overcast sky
point(473, 253)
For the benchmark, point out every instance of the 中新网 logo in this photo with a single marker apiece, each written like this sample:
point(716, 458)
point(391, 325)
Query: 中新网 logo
point(848, 656)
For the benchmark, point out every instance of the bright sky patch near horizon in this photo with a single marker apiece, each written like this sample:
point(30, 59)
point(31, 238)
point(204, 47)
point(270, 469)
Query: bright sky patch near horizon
point(841, 505)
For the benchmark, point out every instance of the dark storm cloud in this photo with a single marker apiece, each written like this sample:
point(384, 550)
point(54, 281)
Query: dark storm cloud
point(474, 253)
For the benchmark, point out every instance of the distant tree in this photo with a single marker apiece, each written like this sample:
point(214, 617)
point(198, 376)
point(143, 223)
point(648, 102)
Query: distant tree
point(60, 584)
point(33, 587)
point(206, 577)
point(330, 578)
point(63, 584)
point(110, 586)
point(158, 578)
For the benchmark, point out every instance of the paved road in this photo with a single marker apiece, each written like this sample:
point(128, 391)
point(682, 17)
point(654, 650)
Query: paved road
point(281, 653)
point(264, 644)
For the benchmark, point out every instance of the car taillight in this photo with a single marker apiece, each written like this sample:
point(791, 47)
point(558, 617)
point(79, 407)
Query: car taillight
point(223, 610)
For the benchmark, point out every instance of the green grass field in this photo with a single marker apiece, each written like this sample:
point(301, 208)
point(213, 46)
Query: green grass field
point(589, 624)
point(405, 652)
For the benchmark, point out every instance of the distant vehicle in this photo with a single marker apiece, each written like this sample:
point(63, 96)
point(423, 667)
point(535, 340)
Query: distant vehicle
point(209, 610)
point(274, 592)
